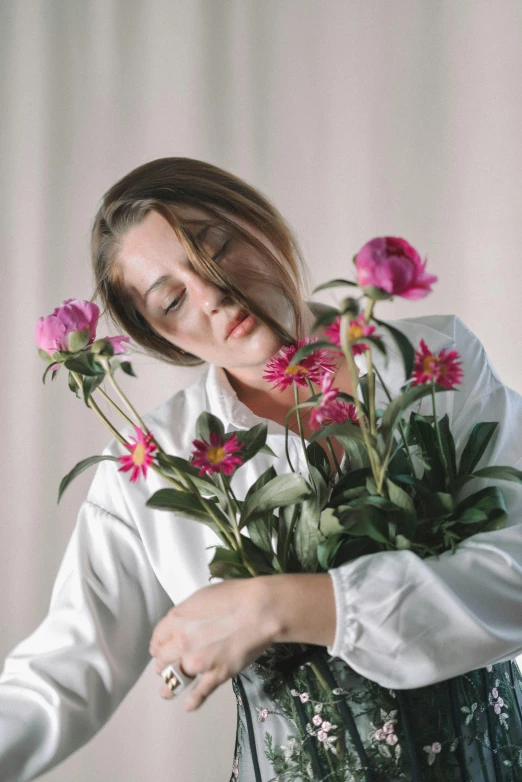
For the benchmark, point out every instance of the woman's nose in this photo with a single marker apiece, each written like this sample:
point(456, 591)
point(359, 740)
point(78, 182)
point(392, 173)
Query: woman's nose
point(207, 295)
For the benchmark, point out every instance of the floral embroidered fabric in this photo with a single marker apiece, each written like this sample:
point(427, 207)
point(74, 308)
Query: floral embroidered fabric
point(312, 717)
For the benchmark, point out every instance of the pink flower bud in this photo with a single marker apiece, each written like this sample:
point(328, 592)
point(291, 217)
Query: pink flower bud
point(54, 332)
point(393, 266)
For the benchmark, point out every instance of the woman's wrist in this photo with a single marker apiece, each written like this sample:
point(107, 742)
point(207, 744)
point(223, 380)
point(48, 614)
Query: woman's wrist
point(303, 607)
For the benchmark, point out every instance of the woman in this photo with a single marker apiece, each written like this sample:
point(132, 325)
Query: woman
point(198, 266)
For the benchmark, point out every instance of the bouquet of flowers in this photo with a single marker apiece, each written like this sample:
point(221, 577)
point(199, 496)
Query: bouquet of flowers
point(396, 488)
point(401, 477)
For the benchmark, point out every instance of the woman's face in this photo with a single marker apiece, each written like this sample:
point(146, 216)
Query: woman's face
point(193, 314)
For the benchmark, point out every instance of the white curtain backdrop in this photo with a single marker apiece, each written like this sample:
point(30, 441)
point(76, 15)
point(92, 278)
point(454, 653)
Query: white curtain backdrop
point(357, 119)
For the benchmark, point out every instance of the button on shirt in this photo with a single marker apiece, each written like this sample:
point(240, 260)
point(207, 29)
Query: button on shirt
point(401, 621)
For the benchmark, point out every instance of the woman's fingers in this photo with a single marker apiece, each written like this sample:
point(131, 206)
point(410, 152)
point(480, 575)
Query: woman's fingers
point(202, 689)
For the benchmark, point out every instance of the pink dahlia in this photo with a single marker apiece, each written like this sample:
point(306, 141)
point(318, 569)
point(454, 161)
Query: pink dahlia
point(444, 369)
point(356, 329)
point(217, 456)
point(281, 373)
point(394, 266)
point(140, 457)
point(332, 410)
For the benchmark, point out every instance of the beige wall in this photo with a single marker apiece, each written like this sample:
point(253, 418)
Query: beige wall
point(356, 118)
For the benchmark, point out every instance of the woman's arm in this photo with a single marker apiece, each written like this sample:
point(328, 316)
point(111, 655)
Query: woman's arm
point(61, 684)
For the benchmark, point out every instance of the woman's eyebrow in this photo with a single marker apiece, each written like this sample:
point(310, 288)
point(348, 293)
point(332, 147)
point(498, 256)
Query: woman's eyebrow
point(167, 277)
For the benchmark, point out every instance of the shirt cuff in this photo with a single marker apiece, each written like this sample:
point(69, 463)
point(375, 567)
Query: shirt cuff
point(345, 627)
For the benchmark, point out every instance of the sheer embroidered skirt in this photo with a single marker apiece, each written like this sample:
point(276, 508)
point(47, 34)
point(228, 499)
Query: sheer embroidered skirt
point(311, 717)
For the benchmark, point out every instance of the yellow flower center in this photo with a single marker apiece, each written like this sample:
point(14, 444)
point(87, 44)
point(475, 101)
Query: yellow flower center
point(296, 369)
point(430, 364)
point(216, 455)
point(355, 332)
point(138, 455)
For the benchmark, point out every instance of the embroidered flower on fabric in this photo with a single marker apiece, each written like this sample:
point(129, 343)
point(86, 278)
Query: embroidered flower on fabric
point(433, 750)
point(262, 714)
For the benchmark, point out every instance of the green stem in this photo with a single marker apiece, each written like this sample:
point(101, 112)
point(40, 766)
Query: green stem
point(371, 377)
point(113, 403)
point(110, 374)
point(328, 439)
point(235, 527)
point(288, 538)
point(354, 376)
point(401, 427)
point(105, 421)
point(301, 435)
point(437, 429)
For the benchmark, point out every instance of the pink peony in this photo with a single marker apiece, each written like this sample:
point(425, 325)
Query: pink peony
point(444, 369)
point(54, 333)
point(72, 327)
point(282, 374)
point(218, 455)
point(394, 266)
point(356, 329)
point(140, 457)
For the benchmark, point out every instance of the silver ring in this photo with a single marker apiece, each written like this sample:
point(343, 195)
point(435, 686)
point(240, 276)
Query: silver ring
point(175, 679)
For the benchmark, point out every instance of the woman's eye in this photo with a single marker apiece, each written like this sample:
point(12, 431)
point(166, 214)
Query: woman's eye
point(223, 250)
point(173, 304)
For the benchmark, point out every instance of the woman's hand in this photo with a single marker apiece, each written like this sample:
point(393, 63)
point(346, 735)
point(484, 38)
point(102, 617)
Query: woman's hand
point(222, 628)
point(217, 632)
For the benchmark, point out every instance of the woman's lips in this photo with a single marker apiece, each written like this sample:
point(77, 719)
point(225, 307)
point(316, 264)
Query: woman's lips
point(246, 325)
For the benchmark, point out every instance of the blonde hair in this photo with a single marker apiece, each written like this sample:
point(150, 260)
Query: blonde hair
point(163, 185)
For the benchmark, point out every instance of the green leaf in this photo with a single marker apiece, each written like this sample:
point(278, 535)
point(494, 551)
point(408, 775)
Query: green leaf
point(334, 284)
point(266, 449)
point(501, 473)
point(77, 340)
point(79, 468)
point(325, 318)
point(256, 556)
point(329, 523)
point(84, 364)
point(171, 464)
point(73, 385)
point(489, 500)
point(252, 440)
point(260, 528)
point(306, 534)
point(307, 350)
point(90, 384)
point(282, 490)
point(478, 441)
point(227, 564)
point(400, 497)
point(206, 424)
point(395, 410)
point(404, 345)
point(127, 368)
point(402, 542)
point(185, 505)
point(377, 342)
point(47, 369)
point(318, 457)
point(364, 521)
point(448, 445)
point(320, 485)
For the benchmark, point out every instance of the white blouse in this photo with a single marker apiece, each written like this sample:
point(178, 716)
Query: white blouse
point(401, 621)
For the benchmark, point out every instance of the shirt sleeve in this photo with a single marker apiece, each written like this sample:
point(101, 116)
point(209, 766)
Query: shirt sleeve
point(405, 622)
point(62, 683)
